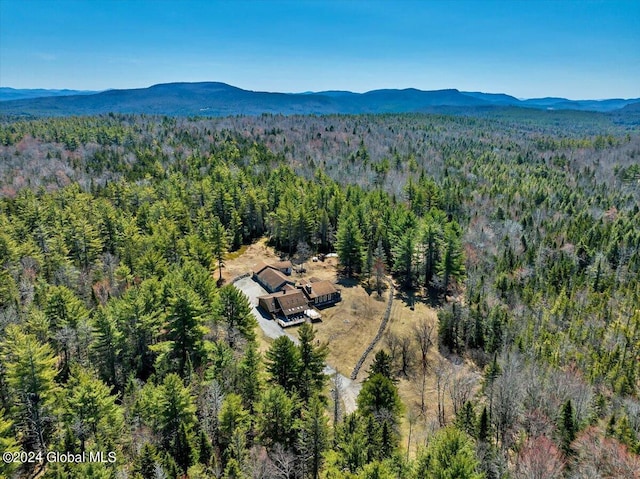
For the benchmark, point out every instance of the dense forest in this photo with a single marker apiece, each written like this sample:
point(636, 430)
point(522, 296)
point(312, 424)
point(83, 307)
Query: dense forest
point(118, 335)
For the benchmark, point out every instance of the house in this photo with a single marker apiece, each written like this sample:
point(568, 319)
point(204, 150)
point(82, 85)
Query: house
point(288, 307)
point(321, 293)
point(290, 303)
point(285, 267)
point(271, 279)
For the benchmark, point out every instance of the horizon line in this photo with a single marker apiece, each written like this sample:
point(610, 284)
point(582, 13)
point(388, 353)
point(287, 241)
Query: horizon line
point(318, 92)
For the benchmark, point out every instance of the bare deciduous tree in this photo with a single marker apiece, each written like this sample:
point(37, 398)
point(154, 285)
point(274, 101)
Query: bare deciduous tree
point(460, 388)
point(443, 373)
point(423, 333)
point(539, 458)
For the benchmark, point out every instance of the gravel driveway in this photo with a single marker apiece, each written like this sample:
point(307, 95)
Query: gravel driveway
point(249, 287)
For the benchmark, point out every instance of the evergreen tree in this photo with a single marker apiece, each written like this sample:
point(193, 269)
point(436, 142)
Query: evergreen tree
point(404, 260)
point(30, 371)
point(205, 449)
point(234, 309)
point(379, 397)
point(219, 242)
point(90, 409)
point(146, 462)
point(232, 417)
point(451, 265)
point(107, 345)
point(275, 417)
point(185, 331)
point(8, 444)
point(431, 239)
point(350, 245)
point(466, 419)
point(249, 376)
point(283, 363)
point(311, 377)
point(448, 455)
point(567, 427)
point(483, 426)
point(176, 412)
point(379, 266)
point(313, 437)
point(183, 451)
point(382, 364)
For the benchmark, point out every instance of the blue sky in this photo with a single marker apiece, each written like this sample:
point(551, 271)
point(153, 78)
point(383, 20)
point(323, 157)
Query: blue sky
point(573, 49)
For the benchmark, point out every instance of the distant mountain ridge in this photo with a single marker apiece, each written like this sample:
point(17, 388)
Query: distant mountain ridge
point(221, 99)
point(7, 93)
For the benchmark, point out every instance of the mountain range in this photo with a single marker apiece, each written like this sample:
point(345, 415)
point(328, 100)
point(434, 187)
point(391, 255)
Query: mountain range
point(221, 99)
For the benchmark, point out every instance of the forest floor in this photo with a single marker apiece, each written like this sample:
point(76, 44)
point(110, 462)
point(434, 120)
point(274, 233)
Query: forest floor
point(349, 326)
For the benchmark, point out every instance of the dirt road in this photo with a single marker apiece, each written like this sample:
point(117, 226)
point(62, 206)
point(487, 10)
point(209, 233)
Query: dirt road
point(350, 389)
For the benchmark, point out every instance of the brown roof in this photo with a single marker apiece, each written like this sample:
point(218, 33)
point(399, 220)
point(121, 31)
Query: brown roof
point(321, 288)
point(259, 267)
point(269, 301)
point(273, 278)
point(292, 302)
point(282, 265)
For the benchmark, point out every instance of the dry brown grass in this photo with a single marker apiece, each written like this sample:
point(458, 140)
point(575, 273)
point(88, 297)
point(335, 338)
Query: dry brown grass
point(350, 326)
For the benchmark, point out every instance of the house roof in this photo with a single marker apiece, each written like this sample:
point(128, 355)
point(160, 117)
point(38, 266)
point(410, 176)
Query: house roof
point(279, 265)
point(273, 278)
point(269, 301)
point(321, 288)
point(259, 267)
point(292, 302)
point(282, 265)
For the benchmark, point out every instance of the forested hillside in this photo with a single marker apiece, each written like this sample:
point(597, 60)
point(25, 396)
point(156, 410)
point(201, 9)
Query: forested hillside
point(523, 230)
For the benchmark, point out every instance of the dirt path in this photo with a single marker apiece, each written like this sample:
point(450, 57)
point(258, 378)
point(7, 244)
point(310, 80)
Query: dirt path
point(350, 389)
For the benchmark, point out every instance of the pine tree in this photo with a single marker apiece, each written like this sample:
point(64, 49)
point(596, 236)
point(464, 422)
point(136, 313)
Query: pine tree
point(7, 444)
point(379, 266)
point(450, 454)
point(466, 419)
point(219, 242)
point(404, 254)
point(91, 410)
point(379, 397)
point(283, 363)
point(107, 345)
point(233, 307)
point(232, 417)
point(350, 245)
point(249, 376)
point(176, 410)
point(311, 377)
point(146, 461)
point(182, 448)
point(451, 265)
point(483, 426)
point(567, 427)
point(205, 449)
point(275, 417)
point(313, 437)
point(382, 364)
point(430, 239)
point(30, 372)
point(185, 331)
